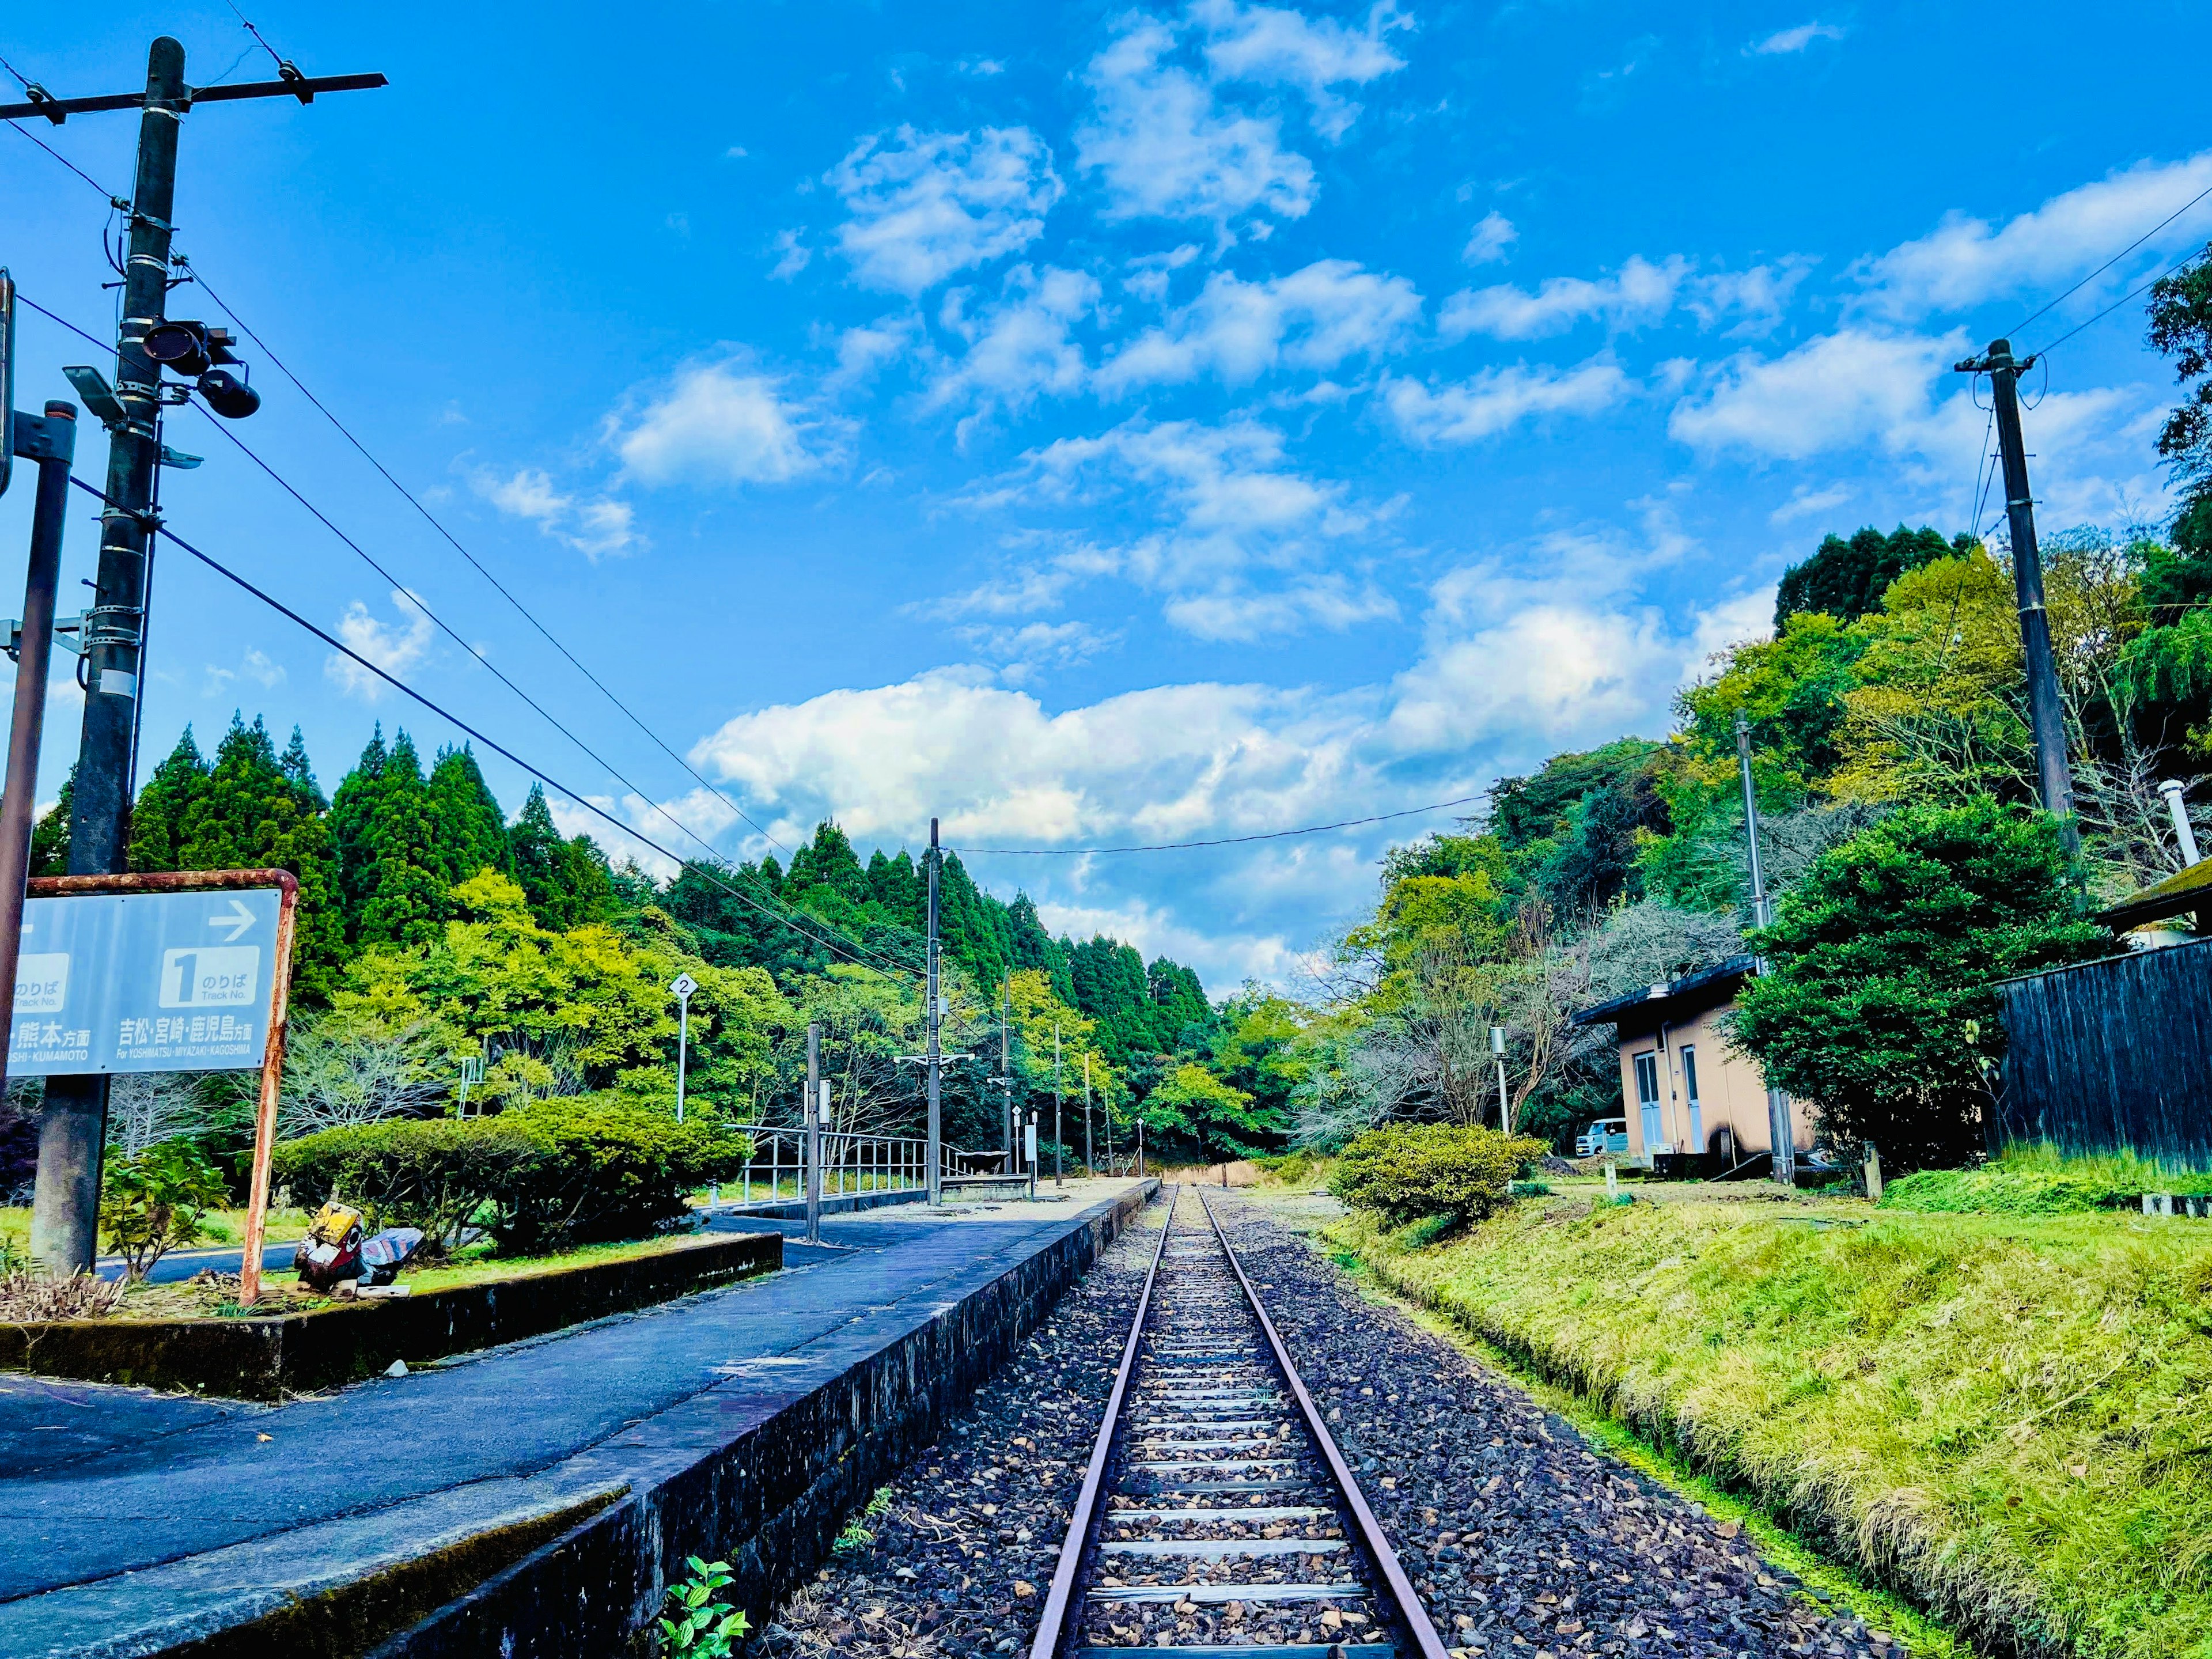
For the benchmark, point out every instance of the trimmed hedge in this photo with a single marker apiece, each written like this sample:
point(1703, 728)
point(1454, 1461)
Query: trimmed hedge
point(541, 1177)
point(1411, 1171)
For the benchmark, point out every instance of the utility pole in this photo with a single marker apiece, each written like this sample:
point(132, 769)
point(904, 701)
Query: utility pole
point(66, 1206)
point(1089, 1168)
point(51, 440)
point(1006, 1064)
point(1059, 1173)
point(2046, 713)
point(1782, 1135)
point(935, 1063)
point(813, 1122)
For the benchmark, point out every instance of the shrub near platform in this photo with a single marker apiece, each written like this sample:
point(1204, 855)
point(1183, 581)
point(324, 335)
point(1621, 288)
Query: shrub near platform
point(1409, 1172)
point(2007, 1420)
point(553, 1173)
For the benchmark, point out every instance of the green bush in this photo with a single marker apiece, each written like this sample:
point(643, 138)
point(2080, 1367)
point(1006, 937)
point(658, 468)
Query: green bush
point(153, 1202)
point(539, 1177)
point(2040, 1181)
point(1410, 1171)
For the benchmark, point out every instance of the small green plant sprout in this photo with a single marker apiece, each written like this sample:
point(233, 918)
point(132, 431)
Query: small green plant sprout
point(704, 1627)
point(856, 1536)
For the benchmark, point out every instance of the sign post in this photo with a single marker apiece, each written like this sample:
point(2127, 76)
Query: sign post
point(187, 970)
point(683, 985)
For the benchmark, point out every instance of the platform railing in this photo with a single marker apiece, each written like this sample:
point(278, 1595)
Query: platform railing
point(852, 1164)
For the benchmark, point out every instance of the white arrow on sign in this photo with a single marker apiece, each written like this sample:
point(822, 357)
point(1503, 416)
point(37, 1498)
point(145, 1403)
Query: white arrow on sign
point(237, 922)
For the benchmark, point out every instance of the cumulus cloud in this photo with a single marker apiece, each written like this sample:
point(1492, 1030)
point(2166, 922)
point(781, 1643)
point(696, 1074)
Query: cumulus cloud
point(1640, 292)
point(1163, 147)
point(395, 647)
point(1315, 318)
point(720, 423)
point(595, 526)
point(792, 254)
point(1492, 239)
point(1277, 45)
point(1783, 42)
point(1022, 347)
point(1964, 260)
point(923, 206)
point(1847, 388)
point(1496, 398)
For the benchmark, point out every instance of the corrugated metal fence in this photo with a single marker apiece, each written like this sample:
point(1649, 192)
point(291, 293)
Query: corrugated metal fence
point(2114, 1055)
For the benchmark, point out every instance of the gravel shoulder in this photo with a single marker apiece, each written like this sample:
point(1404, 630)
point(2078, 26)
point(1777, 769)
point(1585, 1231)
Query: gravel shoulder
point(1522, 1539)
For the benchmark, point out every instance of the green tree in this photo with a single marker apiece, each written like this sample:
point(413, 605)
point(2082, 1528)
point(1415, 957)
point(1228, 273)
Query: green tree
point(2181, 328)
point(385, 825)
point(50, 836)
point(1847, 579)
point(568, 881)
point(1192, 1113)
point(471, 830)
point(1882, 1007)
point(158, 821)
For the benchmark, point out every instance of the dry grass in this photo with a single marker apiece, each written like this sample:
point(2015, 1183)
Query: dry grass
point(2005, 1418)
point(27, 1297)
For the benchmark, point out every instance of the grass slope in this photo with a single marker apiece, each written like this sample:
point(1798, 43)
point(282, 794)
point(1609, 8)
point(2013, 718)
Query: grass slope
point(2005, 1417)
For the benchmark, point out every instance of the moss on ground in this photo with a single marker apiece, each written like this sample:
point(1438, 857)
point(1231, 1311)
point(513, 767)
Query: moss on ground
point(2040, 1181)
point(2007, 1420)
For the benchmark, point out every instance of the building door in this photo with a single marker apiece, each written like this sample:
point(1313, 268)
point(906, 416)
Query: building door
point(1690, 1088)
point(1647, 1097)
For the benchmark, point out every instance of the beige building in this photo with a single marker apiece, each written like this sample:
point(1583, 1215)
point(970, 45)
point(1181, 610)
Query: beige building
point(1683, 1089)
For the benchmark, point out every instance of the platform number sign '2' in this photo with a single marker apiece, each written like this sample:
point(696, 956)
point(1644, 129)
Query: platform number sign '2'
point(144, 982)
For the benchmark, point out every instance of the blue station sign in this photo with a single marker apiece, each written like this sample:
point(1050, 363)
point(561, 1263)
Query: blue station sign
point(145, 982)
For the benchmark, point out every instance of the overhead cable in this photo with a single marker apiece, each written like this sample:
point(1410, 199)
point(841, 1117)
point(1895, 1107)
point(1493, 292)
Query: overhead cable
point(498, 586)
point(492, 744)
point(1224, 841)
point(2114, 260)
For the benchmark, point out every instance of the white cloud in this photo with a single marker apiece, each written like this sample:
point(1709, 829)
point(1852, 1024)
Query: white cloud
point(393, 646)
point(1315, 318)
point(1640, 292)
point(792, 254)
point(1840, 390)
point(1500, 398)
point(1229, 511)
point(1164, 149)
point(1785, 41)
point(595, 527)
point(1808, 502)
point(1274, 45)
point(1022, 347)
point(1492, 239)
point(925, 205)
point(1964, 261)
point(1024, 652)
point(720, 423)
point(1147, 275)
point(1757, 296)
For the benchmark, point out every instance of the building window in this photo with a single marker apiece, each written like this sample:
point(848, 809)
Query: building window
point(1690, 1089)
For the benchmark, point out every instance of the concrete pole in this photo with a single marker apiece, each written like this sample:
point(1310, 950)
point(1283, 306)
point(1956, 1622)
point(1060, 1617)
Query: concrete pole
point(1088, 1167)
point(932, 1064)
point(1782, 1136)
point(682, 1043)
point(65, 1204)
point(58, 434)
point(813, 1176)
point(2185, 833)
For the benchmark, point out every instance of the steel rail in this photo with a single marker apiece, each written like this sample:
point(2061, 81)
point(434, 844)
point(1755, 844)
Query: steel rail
point(1052, 1625)
point(1370, 1530)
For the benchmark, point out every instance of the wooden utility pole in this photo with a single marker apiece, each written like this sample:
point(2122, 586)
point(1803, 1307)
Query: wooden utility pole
point(65, 1205)
point(1782, 1134)
point(2047, 712)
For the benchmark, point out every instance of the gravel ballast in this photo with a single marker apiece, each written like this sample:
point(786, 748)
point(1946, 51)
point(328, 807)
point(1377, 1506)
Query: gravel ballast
point(1522, 1539)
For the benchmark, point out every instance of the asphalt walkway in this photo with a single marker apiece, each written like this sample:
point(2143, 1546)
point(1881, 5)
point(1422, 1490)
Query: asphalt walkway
point(132, 1513)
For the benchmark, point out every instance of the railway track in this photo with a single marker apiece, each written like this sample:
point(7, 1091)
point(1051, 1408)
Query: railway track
point(1217, 1519)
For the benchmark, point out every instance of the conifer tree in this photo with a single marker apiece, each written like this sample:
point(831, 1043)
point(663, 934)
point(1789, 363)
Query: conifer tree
point(50, 836)
point(471, 829)
point(157, 822)
point(567, 881)
point(386, 827)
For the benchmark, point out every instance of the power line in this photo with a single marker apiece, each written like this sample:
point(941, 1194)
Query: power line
point(713, 853)
point(491, 743)
point(1225, 841)
point(280, 64)
point(2114, 260)
point(498, 586)
point(2145, 287)
point(113, 200)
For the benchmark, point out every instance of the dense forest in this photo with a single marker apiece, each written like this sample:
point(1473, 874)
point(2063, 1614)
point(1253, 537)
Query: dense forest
point(433, 928)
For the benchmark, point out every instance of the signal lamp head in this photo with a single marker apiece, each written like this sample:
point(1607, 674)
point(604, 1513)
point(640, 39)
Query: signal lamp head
point(228, 394)
point(188, 348)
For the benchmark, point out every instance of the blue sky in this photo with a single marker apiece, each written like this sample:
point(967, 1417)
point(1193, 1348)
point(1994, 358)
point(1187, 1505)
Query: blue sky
point(1092, 424)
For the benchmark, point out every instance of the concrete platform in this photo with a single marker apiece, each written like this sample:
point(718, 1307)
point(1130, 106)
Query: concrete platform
point(522, 1501)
